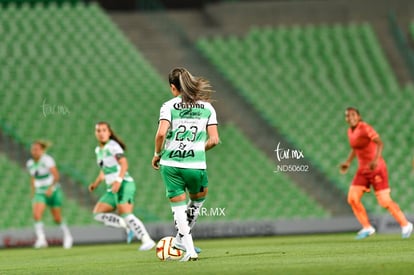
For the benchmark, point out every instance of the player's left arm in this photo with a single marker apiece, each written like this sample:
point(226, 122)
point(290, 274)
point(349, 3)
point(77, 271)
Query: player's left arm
point(123, 163)
point(56, 176)
point(374, 136)
point(380, 145)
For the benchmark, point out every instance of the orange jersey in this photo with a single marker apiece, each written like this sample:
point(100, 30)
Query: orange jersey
point(361, 141)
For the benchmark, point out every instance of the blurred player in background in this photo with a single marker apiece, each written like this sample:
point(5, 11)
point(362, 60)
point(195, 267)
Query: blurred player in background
point(120, 186)
point(187, 128)
point(46, 191)
point(372, 170)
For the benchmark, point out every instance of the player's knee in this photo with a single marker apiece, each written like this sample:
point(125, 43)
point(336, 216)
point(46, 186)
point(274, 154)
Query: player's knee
point(353, 200)
point(385, 202)
point(98, 210)
point(200, 196)
point(37, 217)
point(204, 193)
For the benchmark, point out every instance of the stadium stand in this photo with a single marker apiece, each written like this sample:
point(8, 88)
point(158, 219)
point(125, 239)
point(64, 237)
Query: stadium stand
point(68, 66)
point(6, 3)
point(250, 186)
point(68, 75)
point(306, 76)
point(411, 27)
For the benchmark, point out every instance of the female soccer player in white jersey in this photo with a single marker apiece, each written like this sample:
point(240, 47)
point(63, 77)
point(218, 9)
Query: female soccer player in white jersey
point(46, 192)
point(120, 185)
point(187, 128)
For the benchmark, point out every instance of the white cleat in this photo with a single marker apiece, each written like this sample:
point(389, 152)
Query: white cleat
point(189, 257)
point(407, 230)
point(147, 243)
point(147, 246)
point(40, 243)
point(177, 245)
point(365, 232)
point(67, 242)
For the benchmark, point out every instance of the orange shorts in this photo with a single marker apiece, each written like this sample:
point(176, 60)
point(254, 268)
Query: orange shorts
point(378, 178)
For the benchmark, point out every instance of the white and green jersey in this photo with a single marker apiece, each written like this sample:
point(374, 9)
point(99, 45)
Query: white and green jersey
point(107, 159)
point(185, 143)
point(40, 171)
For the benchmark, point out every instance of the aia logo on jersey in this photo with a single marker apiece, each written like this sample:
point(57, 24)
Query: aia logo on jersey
point(181, 154)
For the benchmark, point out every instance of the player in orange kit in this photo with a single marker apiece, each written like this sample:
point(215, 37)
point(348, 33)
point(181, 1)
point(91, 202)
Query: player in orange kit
point(367, 147)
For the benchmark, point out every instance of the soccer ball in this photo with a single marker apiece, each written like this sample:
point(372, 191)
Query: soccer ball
point(165, 251)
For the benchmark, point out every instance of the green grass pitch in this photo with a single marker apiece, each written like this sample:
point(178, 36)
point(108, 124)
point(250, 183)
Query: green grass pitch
point(310, 254)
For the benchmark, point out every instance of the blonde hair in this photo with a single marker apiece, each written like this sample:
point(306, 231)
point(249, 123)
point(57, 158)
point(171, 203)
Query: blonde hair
point(44, 144)
point(191, 88)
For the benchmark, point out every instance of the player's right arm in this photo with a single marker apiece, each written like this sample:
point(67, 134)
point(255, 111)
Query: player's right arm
point(32, 186)
point(97, 181)
point(343, 168)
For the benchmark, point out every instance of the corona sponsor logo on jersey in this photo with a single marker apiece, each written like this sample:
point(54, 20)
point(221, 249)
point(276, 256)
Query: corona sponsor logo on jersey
point(181, 105)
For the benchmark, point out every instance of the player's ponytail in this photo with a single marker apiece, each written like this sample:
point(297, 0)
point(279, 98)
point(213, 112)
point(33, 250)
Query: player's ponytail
point(44, 144)
point(113, 135)
point(191, 88)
